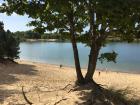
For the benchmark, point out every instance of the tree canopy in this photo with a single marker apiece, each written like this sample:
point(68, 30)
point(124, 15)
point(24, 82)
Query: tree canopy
point(120, 17)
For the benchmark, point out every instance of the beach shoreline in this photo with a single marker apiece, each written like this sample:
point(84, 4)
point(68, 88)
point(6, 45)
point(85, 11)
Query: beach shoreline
point(83, 68)
point(39, 78)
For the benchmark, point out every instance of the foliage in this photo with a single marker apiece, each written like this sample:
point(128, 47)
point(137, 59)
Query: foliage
point(109, 56)
point(52, 14)
point(9, 46)
point(120, 17)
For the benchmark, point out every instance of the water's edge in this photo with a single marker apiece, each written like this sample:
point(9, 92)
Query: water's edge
point(98, 69)
point(128, 59)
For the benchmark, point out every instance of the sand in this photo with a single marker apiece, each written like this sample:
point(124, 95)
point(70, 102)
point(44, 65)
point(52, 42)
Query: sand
point(44, 83)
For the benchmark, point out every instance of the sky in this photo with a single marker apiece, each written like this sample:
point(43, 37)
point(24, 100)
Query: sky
point(15, 22)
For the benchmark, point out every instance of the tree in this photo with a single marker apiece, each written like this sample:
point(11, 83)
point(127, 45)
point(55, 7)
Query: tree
point(106, 17)
point(102, 17)
point(9, 46)
point(1, 40)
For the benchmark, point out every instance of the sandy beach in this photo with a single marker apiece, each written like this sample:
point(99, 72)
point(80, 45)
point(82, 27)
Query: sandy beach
point(44, 83)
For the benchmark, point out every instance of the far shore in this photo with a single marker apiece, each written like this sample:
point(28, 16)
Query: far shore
point(41, 80)
point(58, 40)
point(43, 40)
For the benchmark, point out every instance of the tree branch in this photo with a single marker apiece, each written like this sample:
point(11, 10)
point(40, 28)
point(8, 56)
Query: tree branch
point(25, 97)
point(63, 99)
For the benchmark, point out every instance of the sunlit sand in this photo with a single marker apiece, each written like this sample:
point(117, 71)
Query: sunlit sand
point(45, 83)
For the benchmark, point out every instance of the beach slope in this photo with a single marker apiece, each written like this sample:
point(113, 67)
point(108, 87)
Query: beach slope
point(50, 84)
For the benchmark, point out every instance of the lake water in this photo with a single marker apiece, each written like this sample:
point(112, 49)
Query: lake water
point(128, 59)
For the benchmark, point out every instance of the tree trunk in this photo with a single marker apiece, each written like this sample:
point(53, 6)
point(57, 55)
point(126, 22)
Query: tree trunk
point(93, 56)
point(80, 78)
point(95, 47)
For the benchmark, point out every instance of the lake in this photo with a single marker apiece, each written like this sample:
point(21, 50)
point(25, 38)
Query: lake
point(128, 59)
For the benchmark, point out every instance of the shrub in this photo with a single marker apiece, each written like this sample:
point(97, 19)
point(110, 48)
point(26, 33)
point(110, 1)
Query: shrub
point(9, 45)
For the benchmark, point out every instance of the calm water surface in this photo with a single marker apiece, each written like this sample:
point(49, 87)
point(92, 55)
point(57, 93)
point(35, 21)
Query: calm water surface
point(128, 59)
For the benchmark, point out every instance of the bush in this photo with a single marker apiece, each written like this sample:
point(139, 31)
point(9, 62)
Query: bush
point(9, 46)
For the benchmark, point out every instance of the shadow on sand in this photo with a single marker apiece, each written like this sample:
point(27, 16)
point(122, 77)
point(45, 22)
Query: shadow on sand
point(7, 77)
point(109, 96)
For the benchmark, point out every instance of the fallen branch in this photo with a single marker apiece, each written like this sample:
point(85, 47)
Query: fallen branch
point(65, 87)
point(60, 101)
point(57, 89)
point(74, 89)
point(25, 97)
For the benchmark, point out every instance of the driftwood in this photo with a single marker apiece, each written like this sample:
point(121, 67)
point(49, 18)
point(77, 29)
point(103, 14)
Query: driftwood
point(30, 103)
point(25, 97)
point(60, 101)
point(57, 89)
point(65, 87)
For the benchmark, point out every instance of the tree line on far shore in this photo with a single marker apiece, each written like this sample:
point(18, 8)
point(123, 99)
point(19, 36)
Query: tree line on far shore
point(30, 34)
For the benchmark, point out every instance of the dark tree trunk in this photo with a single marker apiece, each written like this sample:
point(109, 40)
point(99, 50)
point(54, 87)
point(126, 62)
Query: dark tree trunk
point(95, 46)
point(93, 56)
point(96, 41)
point(80, 78)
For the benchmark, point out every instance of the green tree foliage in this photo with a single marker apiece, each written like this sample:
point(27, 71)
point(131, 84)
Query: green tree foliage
point(102, 17)
point(9, 46)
